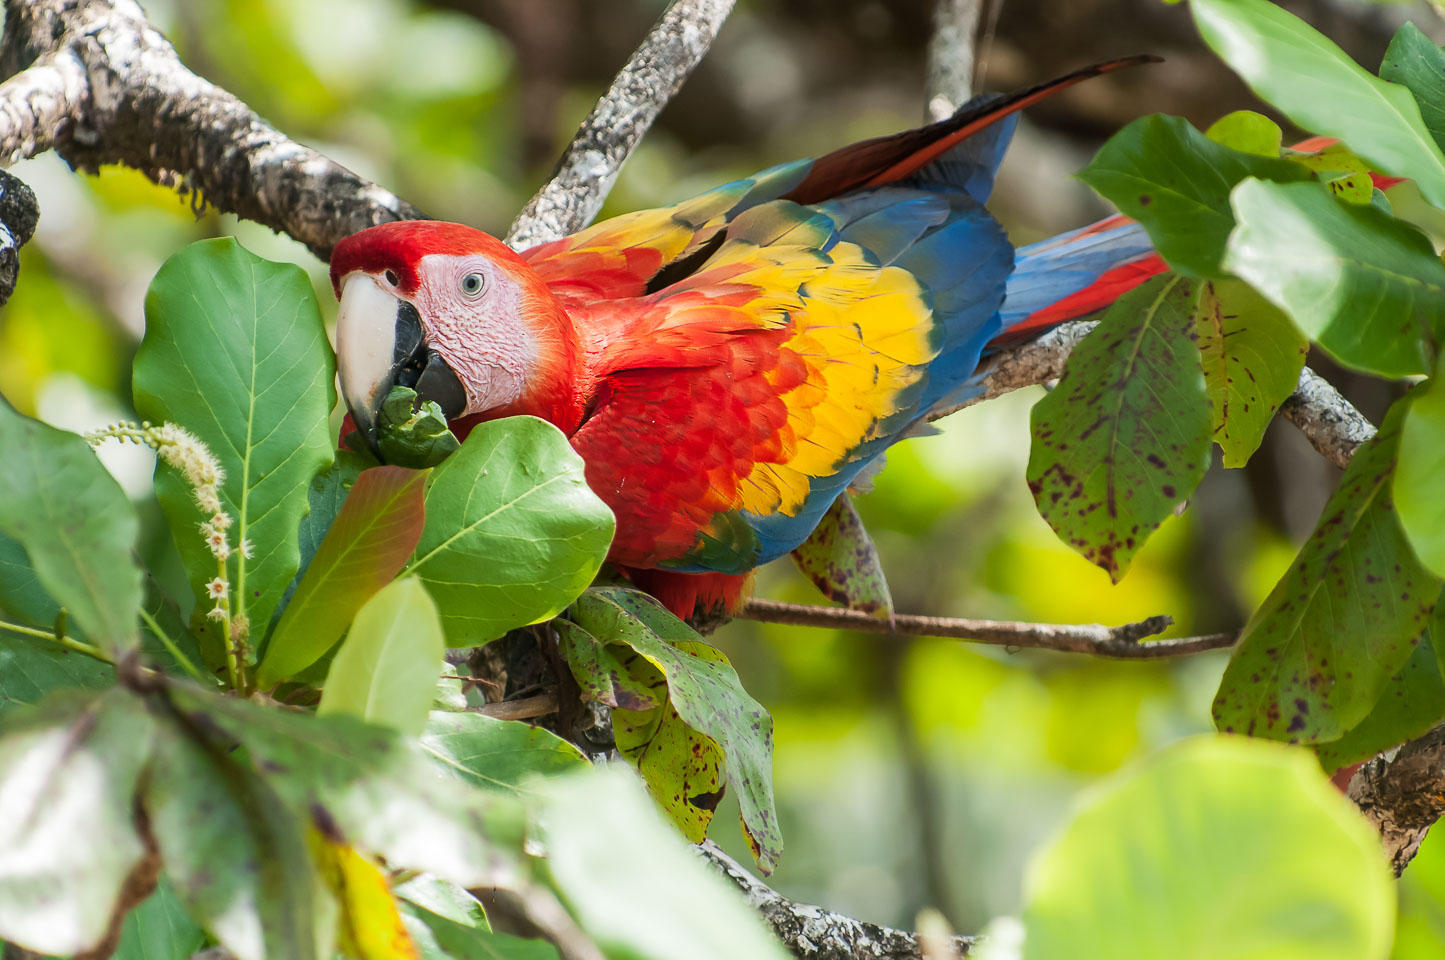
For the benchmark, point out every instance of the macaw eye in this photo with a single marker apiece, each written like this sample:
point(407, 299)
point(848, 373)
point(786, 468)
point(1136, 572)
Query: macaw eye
point(473, 283)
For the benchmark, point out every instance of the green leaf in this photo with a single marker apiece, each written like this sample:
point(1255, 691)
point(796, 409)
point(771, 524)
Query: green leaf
point(1252, 361)
point(441, 938)
point(76, 525)
point(1301, 72)
point(1413, 61)
point(496, 754)
point(386, 671)
point(1247, 132)
point(68, 775)
point(676, 909)
point(1367, 288)
point(1125, 437)
point(235, 351)
point(236, 855)
point(607, 672)
point(159, 929)
point(373, 788)
point(512, 534)
point(1419, 489)
point(412, 437)
point(1413, 703)
point(1224, 847)
point(325, 497)
point(840, 559)
point(1318, 653)
point(31, 668)
point(1176, 181)
point(706, 693)
point(370, 540)
point(22, 596)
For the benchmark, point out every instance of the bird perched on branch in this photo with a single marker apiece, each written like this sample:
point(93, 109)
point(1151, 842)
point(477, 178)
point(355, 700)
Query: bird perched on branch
point(726, 367)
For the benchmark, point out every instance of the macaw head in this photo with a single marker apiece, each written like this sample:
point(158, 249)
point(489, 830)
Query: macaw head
point(453, 313)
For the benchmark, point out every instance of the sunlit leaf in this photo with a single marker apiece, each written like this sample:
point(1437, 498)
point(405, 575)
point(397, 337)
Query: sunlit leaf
point(236, 352)
point(69, 769)
point(1236, 844)
point(691, 914)
point(840, 559)
point(706, 693)
point(1318, 653)
point(369, 925)
point(1176, 182)
point(512, 534)
point(1252, 360)
point(386, 670)
point(1125, 436)
point(1367, 288)
point(1419, 487)
point(496, 754)
point(1247, 132)
point(75, 523)
point(1309, 79)
point(1414, 61)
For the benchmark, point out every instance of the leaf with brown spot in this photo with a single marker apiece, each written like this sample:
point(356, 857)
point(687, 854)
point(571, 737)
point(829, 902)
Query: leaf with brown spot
point(1125, 436)
point(604, 672)
point(1252, 359)
point(840, 559)
point(1319, 652)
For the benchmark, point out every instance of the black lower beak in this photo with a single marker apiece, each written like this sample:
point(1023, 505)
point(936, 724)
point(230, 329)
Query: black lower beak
point(413, 365)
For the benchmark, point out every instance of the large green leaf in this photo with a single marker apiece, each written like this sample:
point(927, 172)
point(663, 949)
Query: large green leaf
point(1313, 82)
point(68, 775)
point(386, 671)
point(370, 540)
point(705, 691)
point(159, 929)
point(512, 534)
point(1317, 654)
point(607, 672)
point(1228, 848)
point(1415, 62)
point(1252, 360)
point(235, 351)
point(840, 559)
point(75, 523)
point(1125, 436)
point(1364, 286)
point(676, 909)
point(496, 754)
point(1176, 181)
point(31, 668)
point(1419, 488)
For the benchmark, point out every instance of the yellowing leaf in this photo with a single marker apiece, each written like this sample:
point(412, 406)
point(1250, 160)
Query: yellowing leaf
point(369, 926)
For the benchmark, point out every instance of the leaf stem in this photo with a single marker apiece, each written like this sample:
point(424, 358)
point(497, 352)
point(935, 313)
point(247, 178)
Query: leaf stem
point(79, 646)
point(204, 679)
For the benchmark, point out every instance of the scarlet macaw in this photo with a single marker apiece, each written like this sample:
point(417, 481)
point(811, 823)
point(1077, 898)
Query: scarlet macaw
point(725, 367)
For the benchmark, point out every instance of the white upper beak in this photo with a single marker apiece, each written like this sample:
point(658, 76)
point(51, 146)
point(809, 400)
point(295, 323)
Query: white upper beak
point(365, 340)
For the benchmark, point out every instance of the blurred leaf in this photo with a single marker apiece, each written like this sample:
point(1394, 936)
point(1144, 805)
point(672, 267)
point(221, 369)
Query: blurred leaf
point(1415, 62)
point(369, 925)
point(235, 351)
point(1317, 655)
point(691, 912)
point(76, 526)
point(236, 855)
point(512, 534)
point(840, 559)
point(1247, 132)
point(374, 789)
point(1367, 288)
point(496, 754)
point(1233, 847)
point(1176, 182)
point(30, 668)
point(68, 775)
point(22, 595)
point(1419, 488)
point(386, 671)
point(1413, 702)
point(1301, 72)
point(1252, 360)
point(370, 540)
point(159, 929)
point(706, 693)
point(1125, 437)
point(441, 938)
point(606, 672)
point(411, 437)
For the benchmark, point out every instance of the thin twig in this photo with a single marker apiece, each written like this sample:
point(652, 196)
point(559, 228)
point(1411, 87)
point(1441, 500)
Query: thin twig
point(1122, 642)
point(525, 709)
point(79, 646)
point(204, 679)
point(607, 137)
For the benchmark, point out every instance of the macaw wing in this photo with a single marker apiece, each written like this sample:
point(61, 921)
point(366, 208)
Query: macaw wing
point(748, 396)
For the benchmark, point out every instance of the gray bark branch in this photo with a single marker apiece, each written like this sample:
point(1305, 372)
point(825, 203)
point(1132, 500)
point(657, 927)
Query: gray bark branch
point(952, 55)
point(1403, 793)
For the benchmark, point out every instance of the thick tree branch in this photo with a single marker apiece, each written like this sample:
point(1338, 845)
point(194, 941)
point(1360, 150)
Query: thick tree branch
point(18, 216)
point(1403, 794)
point(812, 933)
point(952, 55)
point(608, 135)
point(1329, 422)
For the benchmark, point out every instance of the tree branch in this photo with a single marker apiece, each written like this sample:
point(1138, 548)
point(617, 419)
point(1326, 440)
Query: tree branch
point(952, 55)
point(607, 137)
point(1403, 794)
point(1329, 422)
point(812, 933)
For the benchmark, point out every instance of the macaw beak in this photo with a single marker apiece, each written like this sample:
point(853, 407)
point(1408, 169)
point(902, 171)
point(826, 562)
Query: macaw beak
point(380, 344)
